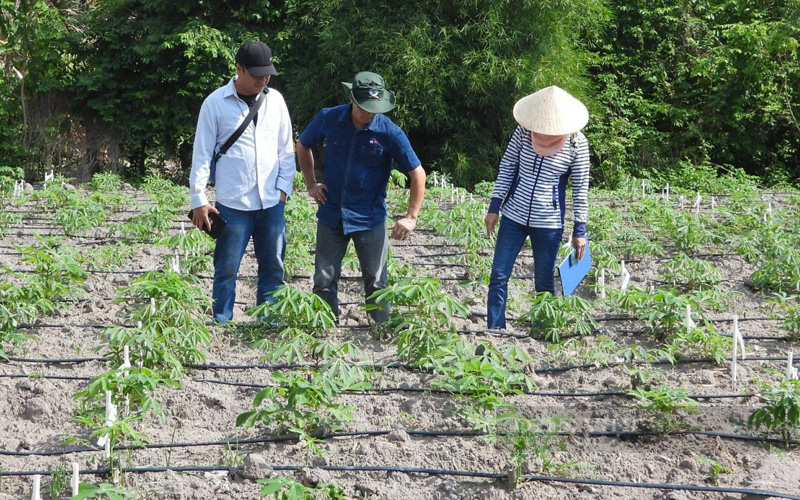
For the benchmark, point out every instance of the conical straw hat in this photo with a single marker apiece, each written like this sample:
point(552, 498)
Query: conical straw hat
point(551, 111)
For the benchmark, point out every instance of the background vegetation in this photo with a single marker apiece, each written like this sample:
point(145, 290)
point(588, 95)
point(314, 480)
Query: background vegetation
point(678, 90)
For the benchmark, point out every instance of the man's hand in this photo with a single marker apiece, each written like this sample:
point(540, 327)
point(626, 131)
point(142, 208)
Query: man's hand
point(200, 216)
point(283, 195)
point(491, 222)
point(319, 193)
point(580, 247)
point(403, 228)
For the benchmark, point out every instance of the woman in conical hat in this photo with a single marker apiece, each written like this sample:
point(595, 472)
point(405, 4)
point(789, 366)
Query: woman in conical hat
point(546, 149)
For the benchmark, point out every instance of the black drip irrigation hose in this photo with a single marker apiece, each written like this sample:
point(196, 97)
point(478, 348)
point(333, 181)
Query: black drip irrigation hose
point(432, 472)
point(238, 443)
point(444, 391)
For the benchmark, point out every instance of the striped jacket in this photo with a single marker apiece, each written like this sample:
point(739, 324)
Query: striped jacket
point(530, 188)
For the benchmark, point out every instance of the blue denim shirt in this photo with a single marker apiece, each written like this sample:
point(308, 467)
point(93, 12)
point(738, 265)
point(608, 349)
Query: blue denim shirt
point(357, 166)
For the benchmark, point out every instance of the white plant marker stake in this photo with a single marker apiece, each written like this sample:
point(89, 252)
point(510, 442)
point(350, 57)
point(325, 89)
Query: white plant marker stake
point(111, 417)
point(696, 204)
point(602, 283)
point(452, 200)
point(737, 336)
point(37, 483)
point(665, 193)
point(183, 229)
point(689, 323)
point(734, 366)
point(713, 203)
point(683, 201)
point(644, 193)
point(152, 306)
point(769, 211)
point(652, 289)
point(139, 325)
point(76, 478)
point(626, 277)
point(791, 371)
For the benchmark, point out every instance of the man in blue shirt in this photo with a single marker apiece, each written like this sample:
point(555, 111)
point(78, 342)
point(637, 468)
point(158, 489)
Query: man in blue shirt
point(360, 146)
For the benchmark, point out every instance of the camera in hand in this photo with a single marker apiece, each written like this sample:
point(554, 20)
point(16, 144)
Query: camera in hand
point(217, 223)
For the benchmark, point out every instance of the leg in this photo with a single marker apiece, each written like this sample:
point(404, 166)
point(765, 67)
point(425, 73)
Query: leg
point(330, 249)
point(269, 242)
point(372, 247)
point(228, 254)
point(545, 244)
point(510, 238)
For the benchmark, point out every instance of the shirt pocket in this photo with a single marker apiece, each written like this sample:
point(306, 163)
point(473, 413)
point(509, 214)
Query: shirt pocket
point(371, 155)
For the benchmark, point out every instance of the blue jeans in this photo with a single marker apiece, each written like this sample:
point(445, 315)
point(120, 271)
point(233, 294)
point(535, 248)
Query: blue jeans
point(268, 229)
point(371, 248)
point(510, 238)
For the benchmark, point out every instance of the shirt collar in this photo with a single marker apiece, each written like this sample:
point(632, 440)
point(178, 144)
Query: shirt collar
point(230, 88)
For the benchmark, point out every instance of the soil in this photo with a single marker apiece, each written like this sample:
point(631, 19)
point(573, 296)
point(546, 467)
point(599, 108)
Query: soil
point(37, 414)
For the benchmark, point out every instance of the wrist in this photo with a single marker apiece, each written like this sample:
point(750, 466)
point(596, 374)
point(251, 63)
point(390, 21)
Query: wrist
point(410, 216)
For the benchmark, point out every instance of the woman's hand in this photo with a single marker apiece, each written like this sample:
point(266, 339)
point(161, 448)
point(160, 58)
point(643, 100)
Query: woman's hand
point(580, 246)
point(491, 221)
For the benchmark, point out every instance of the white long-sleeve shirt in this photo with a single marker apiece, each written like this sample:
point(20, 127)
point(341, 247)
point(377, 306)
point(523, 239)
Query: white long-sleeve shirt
point(258, 166)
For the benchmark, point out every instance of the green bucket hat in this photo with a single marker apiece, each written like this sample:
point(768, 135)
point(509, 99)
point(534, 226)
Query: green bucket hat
point(370, 93)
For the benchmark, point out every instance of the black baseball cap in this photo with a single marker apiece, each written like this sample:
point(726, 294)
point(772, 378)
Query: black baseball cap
point(257, 58)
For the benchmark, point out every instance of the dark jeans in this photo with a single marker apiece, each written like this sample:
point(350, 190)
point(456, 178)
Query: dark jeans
point(371, 248)
point(268, 230)
point(510, 238)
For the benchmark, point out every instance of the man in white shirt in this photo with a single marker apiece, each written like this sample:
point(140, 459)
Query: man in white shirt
point(253, 178)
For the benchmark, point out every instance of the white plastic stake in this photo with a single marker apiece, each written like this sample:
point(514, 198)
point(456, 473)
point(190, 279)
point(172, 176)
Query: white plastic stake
point(652, 289)
point(126, 360)
point(665, 193)
point(696, 204)
point(183, 229)
point(76, 478)
point(737, 336)
point(734, 366)
point(111, 417)
point(769, 210)
point(37, 484)
point(689, 323)
point(791, 371)
point(152, 306)
point(626, 278)
point(601, 283)
point(139, 325)
point(713, 203)
point(683, 201)
point(175, 264)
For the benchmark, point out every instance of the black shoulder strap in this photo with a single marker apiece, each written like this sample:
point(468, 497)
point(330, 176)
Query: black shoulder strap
point(239, 131)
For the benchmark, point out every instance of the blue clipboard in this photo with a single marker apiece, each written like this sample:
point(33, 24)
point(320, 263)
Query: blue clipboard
point(572, 272)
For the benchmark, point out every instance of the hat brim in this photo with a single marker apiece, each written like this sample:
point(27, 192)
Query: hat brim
point(383, 105)
point(551, 111)
point(262, 71)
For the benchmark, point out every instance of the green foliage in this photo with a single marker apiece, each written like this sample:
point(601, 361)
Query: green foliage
point(667, 404)
point(787, 306)
point(781, 410)
point(293, 308)
point(135, 387)
point(555, 316)
point(690, 88)
point(715, 469)
point(691, 274)
point(284, 488)
point(486, 57)
point(102, 490)
point(778, 266)
point(304, 403)
point(421, 316)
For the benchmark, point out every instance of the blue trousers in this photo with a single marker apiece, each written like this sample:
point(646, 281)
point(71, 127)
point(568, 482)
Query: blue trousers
point(267, 227)
point(371, 248)
point(510, 238)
